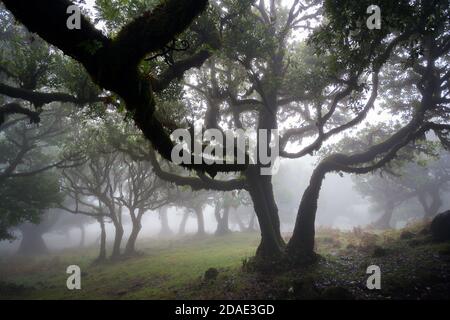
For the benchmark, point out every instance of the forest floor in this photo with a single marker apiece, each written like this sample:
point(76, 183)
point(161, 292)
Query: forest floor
point(412, 267)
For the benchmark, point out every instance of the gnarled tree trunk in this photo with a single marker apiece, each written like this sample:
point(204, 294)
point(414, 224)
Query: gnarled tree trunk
point(117, 222)
point(301, 244)
point(222, 219)
point(261, 192)
point(130, 247)
point(117, 240)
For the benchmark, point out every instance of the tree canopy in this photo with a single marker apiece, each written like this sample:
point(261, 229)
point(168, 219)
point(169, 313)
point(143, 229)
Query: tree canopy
point(311, 71)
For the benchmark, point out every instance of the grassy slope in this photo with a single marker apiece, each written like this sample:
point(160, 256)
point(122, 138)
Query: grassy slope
point(159, 273)
point(412, 267)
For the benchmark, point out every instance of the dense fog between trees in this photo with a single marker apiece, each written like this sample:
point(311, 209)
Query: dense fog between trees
point(284, 131)
point(341, 206)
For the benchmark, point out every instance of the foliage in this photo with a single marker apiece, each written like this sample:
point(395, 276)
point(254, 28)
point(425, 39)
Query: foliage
point(26, 199)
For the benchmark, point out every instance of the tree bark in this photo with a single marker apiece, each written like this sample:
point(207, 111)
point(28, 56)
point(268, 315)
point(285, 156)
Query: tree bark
point(200, 221)
point(102, 253)
point(301, 244)
point(130, 248)
point(261, 192)
point(222, 220)
point(165, 228)
point(182, 229)
point(117, 240)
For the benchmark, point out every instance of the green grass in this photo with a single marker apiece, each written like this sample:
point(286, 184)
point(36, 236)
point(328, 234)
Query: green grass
point(161, 272)
point(412, 267)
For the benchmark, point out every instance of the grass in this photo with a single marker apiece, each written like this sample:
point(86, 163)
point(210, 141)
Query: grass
point(160, 272)
point(413, 267)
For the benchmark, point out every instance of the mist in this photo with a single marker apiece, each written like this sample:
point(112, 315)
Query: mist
point(224, 149)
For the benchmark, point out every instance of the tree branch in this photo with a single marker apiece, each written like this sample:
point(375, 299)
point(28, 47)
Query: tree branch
point(15, 108)
point(41, 98)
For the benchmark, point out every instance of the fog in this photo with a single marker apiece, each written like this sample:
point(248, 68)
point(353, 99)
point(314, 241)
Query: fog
point(340, 206)
point(231, 149)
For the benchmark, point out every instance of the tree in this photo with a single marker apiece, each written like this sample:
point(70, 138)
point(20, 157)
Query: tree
point(100, 177)
point(80, 202)
point(261, 76)
point(164, 218)
point(25, 199)
point(224, 204)
point(32, 242)
point(113, 63)
point(29, 67)
point(140, 192)
point(271, 81)
point(424, 27)
point(182, 227)
point(51, 221)
point(243, 215)
point(68, 221)
point(243, 81)
point(423, 180)
point(192, 202)
point(29, 150)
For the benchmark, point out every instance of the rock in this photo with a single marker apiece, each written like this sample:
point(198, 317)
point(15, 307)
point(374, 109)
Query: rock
point(406, 235)
point(337, 293)
point(440, 227)
point(211, 274)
